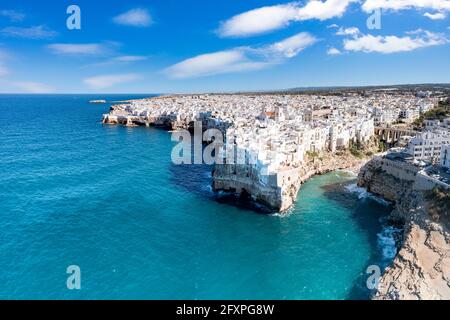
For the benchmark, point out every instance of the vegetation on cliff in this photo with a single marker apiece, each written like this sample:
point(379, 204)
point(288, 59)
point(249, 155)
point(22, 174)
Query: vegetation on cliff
point(356, 152)
point(312, 155)
point(438, 205)
point(440, 112)
point(368, 149)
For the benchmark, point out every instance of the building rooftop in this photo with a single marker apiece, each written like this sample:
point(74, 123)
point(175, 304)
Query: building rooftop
point(440, 173)
point(400, 156)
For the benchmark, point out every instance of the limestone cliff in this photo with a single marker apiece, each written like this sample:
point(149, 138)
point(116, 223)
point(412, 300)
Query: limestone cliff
point(421, 269)
point(233, 178)
point(381, 184)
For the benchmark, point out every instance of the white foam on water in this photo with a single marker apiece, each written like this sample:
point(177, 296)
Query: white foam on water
point(208, 175)
point(347, 171)
point(284, 214)
point(386, 241)
point(207, 188)
point(221, 193)
point(361, 192)
point(364, 194)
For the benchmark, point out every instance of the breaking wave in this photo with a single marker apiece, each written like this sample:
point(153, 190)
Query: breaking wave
point(348, 171)
point(364, 194)
point(388, 240)
point(207, 188)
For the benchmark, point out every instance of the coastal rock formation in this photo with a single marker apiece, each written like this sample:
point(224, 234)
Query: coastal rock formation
point(268, 145)
point(421, 269)
point(272, 196)
point(377, 182)
point(273, 193)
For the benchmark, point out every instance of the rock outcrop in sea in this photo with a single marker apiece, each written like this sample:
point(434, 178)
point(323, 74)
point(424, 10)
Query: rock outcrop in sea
point(421, 269)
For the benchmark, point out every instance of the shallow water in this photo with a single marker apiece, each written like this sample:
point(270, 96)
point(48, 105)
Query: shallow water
point(108, 199)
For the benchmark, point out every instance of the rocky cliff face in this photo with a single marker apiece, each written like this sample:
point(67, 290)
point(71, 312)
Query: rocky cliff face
point(269, 196)
point(226, 178)
point(372, 177)
point(421, 269)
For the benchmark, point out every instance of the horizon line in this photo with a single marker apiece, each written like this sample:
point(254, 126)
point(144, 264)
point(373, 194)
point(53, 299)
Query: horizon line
point(238, 91)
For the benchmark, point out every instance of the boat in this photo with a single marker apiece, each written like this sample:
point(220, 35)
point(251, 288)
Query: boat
point(97, 101)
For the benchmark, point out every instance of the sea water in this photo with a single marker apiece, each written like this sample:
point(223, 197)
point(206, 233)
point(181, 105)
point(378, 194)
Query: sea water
point(109, 200)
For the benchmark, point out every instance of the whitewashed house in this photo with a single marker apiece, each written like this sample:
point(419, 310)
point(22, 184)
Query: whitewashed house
point(427, 146)
point(445, 156)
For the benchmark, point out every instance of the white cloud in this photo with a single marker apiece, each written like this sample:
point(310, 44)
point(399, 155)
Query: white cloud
point(417, 31)
point(129, 58)
point(213, 63)
point(241, 59)
point(35, 32)
point(106, 81)
point(14, 16)
point(259, 21)
point(352, 31)
point(370, 5)
point(117, 60)
point(291, 47)
point(271, 18)
point(435, 16)
point(328, 9)
point(392, 44)
point(134, 17)
point(333, 52)
point(34, 87)
point(77, 49)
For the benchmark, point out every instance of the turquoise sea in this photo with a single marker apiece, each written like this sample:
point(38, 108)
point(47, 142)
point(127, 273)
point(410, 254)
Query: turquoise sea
point(108, 199)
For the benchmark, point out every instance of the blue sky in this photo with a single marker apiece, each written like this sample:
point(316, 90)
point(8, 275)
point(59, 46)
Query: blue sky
point(164, 46)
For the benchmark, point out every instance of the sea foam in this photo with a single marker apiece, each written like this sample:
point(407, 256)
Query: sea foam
point(386, 240)
point(364, 194)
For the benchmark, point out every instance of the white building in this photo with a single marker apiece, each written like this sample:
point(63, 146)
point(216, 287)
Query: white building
point(365, 130)
point(436, 124)
point(427, 146)
point(445, 156)
point(384, 116)
point(432, 124)
point(408, 115)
